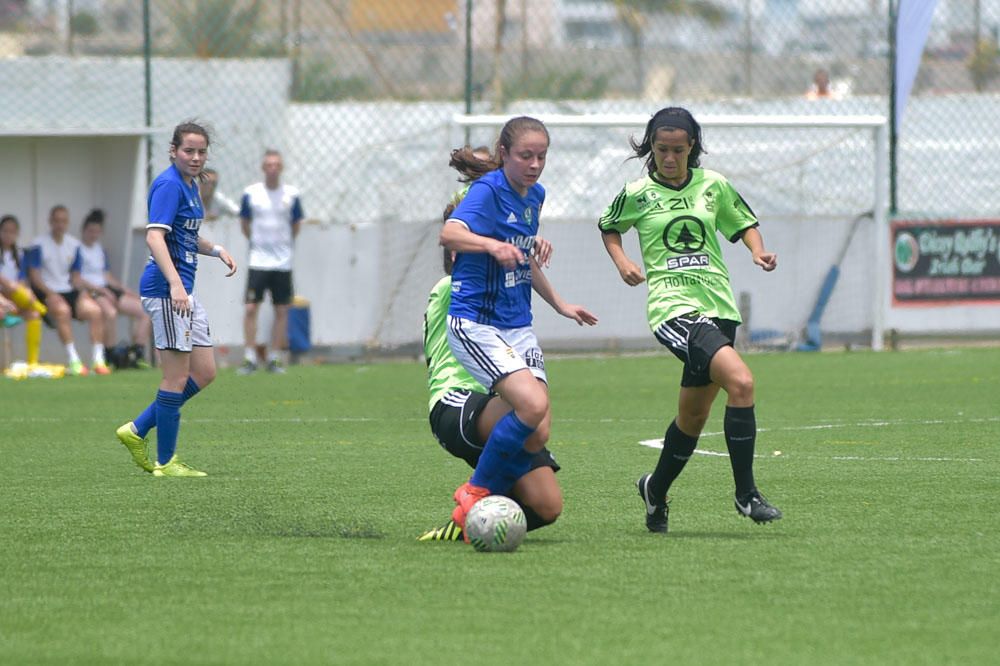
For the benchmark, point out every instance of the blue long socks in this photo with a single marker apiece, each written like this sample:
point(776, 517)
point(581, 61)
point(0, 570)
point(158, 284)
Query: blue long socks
point(147, 420)
point(168, 422)
point(503, 455)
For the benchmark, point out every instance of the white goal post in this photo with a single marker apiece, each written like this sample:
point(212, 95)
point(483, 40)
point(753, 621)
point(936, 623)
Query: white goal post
point(829, 169)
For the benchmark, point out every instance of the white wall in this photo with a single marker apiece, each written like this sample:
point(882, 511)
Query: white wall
point(336, 269)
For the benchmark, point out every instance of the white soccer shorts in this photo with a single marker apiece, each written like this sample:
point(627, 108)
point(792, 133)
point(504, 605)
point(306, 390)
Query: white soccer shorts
point(489, 353)
point(172, 331)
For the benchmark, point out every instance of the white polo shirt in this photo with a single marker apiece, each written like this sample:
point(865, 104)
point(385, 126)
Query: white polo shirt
point(92, 263)
point(273, 215)
point(55, 261)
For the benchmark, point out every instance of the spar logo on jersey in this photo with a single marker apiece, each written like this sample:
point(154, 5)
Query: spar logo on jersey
point(685, 235)
point(687, 261)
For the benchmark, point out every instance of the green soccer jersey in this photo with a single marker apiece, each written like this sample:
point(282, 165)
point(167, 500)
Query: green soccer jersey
point(444, 372)
point(678, 233)
point(458, 195)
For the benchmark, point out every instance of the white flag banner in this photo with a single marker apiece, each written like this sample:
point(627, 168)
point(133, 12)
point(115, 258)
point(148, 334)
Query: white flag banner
point(913, 22)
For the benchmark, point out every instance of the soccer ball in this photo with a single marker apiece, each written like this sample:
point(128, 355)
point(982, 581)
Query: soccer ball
point(496, 524)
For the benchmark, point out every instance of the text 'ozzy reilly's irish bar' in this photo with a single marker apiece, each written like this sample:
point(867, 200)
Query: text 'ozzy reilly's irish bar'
point(945, 261)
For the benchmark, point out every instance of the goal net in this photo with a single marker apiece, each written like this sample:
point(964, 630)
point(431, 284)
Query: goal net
point(818, 184)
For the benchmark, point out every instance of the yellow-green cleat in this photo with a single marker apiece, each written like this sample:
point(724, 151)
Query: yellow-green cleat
point(136, 445)
point(175, 467)
point(77, 369)
point(450, 532)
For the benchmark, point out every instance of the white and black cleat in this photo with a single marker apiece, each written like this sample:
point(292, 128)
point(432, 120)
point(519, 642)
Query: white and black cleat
point(756, 508)
point(656, 514)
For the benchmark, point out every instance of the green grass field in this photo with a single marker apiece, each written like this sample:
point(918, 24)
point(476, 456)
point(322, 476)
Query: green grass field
point(300, 547)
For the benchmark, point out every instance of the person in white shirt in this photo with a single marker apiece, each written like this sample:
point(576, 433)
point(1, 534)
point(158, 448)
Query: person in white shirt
point(270, 214)
point(91, 272)
point(52, 255)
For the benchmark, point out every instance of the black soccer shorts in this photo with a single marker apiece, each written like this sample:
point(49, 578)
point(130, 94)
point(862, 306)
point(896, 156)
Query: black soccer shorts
point(453, 422)
point(279, 283)
point(695, 339)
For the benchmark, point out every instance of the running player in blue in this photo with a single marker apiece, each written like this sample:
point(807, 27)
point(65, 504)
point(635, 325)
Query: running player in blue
point(180, 325)
point(489, 320)
point(462, 412)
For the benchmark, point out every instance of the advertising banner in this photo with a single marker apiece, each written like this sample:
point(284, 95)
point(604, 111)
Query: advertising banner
point(945, 261)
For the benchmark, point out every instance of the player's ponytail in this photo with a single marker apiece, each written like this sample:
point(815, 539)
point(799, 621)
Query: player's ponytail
point(472, 163)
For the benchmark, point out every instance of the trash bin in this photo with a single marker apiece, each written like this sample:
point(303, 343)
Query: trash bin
point(298, 328)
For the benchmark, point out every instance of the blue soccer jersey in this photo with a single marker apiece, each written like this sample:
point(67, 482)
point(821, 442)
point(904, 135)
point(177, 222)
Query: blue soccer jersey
point(174, 205)
point(481, 289)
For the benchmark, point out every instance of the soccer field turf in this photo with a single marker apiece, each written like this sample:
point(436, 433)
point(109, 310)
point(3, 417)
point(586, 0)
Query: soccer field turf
point(300, 547)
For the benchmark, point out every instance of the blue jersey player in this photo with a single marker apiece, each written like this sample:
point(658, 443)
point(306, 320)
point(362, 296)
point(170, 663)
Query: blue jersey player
point(180, 325)
point(493, 232)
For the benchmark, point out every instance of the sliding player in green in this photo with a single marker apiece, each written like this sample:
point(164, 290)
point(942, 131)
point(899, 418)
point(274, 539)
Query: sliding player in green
point(678, 210)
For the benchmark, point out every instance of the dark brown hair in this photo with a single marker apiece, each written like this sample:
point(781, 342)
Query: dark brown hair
point(95, 216)
point(188, 127)
point(512, 129)
point(673, 117)
point(472, 167)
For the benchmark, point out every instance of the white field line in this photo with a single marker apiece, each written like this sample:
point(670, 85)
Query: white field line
point(651, 443)
point(658, 443)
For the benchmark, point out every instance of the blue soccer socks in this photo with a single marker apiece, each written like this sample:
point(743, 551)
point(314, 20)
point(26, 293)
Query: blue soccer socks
point(500, 456)
point(147, 420)
point(168, 421)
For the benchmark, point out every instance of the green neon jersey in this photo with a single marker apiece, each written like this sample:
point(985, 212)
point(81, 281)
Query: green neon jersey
point(444, 372)
point(679, 235)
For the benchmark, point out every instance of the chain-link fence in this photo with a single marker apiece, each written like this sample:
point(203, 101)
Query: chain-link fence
point(359, 94)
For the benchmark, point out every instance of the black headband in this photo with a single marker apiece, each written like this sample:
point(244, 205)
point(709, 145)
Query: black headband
point(674, 122)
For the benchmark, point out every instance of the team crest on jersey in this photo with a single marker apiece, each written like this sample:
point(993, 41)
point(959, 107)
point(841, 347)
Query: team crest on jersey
point(709, 201)
point(527, 216)
point(685, 234)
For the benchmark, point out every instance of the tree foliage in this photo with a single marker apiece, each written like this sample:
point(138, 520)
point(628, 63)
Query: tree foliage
point(213, 28)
